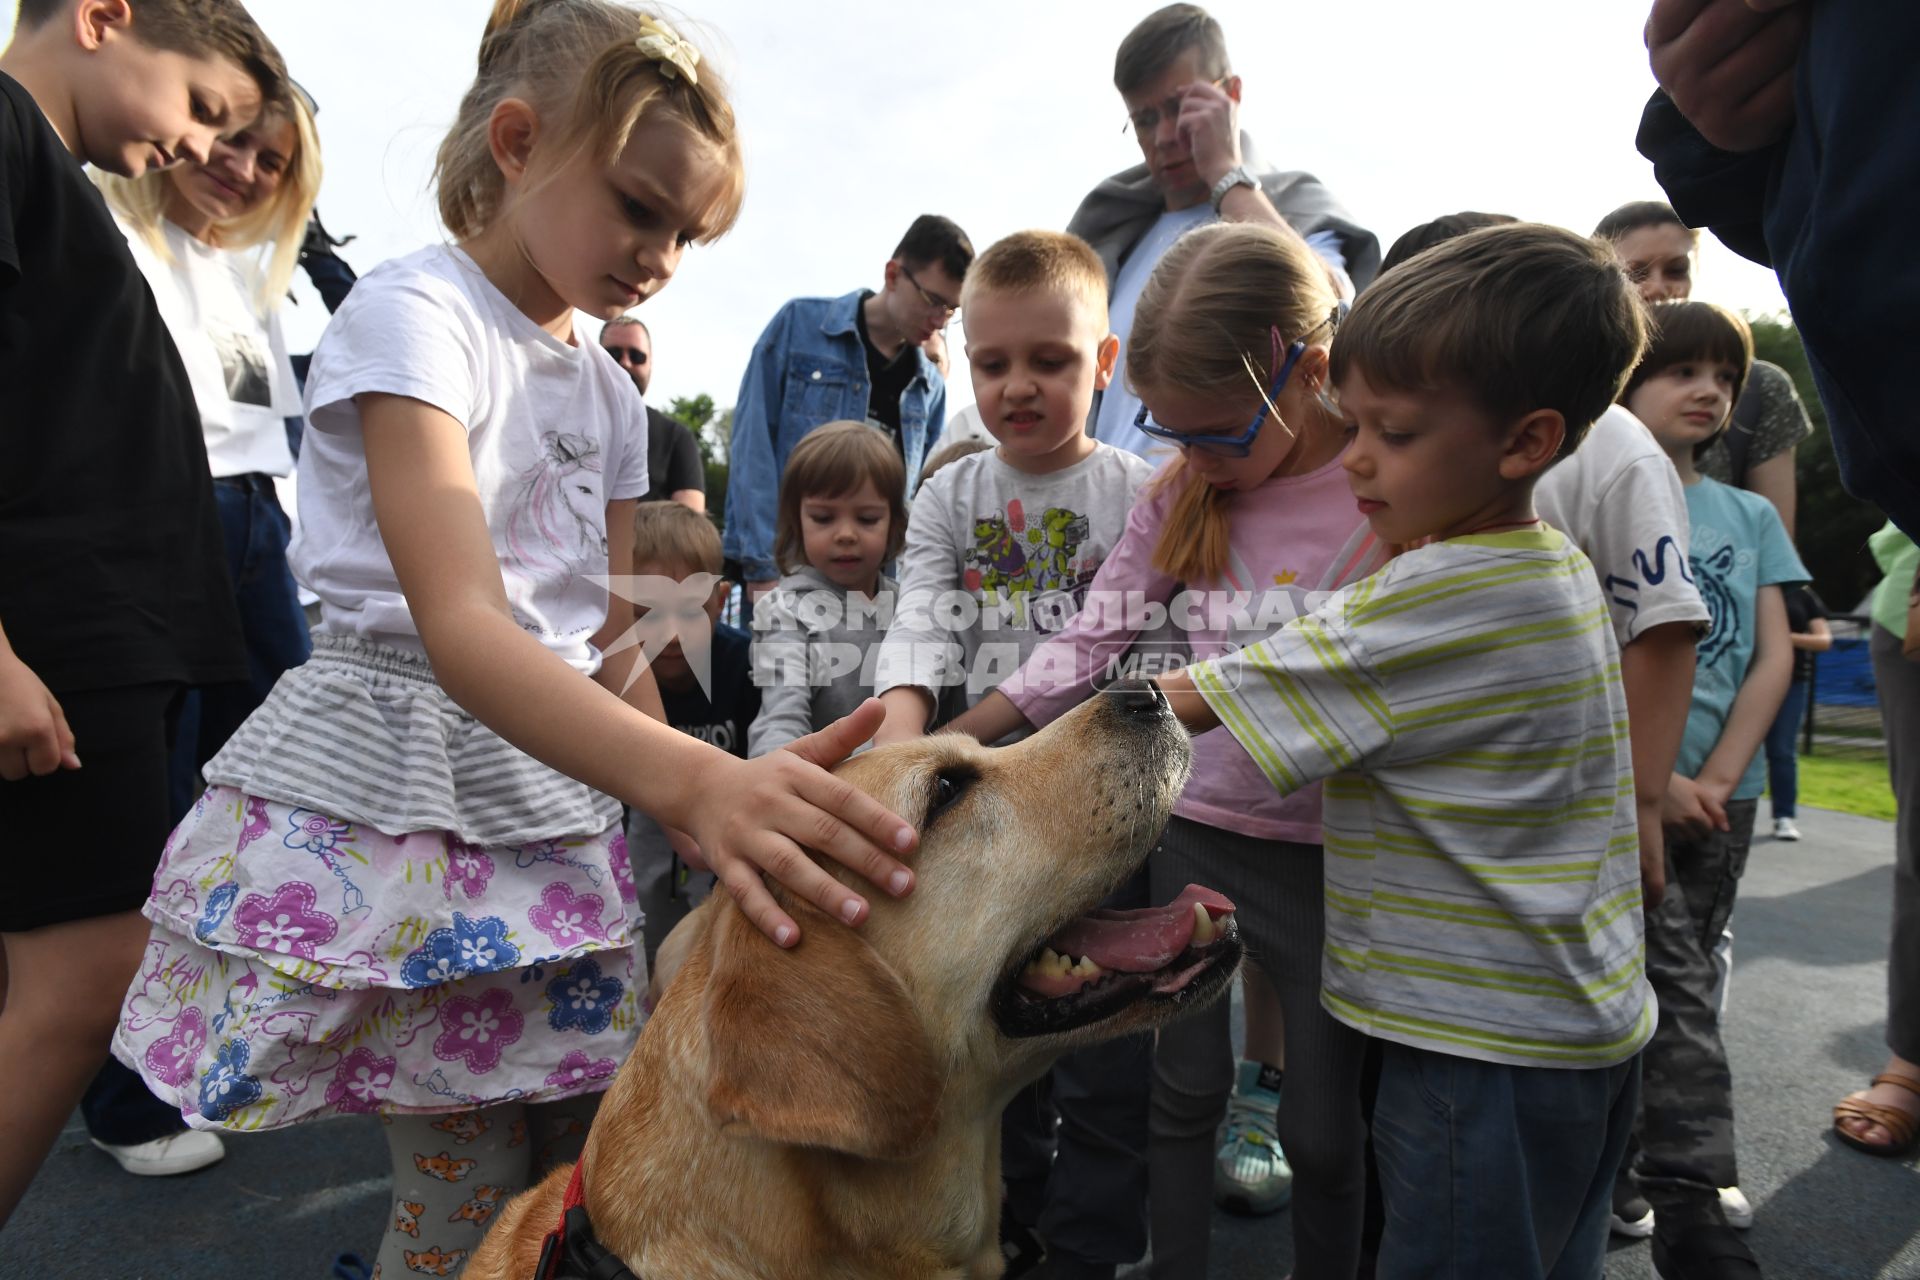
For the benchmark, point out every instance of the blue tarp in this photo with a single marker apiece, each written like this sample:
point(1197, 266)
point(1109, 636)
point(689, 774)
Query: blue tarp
point(1843, 676)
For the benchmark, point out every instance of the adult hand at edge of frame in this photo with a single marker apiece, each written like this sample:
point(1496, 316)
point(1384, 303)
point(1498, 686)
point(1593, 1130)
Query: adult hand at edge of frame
point(1729, 66)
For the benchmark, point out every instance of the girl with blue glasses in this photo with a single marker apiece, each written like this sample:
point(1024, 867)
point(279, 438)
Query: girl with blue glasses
point(1228, 354)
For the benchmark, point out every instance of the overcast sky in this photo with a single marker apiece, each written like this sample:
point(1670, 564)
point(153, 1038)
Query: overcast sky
point(1001, 114)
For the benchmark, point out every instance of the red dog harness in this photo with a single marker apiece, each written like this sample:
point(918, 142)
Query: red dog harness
point(571, 1252)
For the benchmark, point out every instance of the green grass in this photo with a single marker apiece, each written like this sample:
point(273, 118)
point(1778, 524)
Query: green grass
point(1850, 785)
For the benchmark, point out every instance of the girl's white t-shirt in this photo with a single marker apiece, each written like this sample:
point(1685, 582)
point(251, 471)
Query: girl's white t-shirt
point(233, 351)
point(555, 433)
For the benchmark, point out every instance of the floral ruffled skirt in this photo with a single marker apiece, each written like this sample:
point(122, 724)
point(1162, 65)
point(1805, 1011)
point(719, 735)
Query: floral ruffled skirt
point(272, 990)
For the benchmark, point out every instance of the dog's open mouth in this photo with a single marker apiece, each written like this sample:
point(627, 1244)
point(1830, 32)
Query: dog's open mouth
point(1105, 961)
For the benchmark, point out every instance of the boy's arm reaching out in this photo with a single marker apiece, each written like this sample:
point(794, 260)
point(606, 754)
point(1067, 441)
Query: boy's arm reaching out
point(1188, 706)
point(748, 817)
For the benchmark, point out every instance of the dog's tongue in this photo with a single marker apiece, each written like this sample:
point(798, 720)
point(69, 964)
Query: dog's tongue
point(1139, 941)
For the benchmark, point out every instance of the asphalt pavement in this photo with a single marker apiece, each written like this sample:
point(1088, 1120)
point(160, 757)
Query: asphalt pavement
point(1806, 1021)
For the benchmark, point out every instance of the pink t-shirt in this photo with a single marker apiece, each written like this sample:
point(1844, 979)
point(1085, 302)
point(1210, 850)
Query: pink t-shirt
point(1290, 537)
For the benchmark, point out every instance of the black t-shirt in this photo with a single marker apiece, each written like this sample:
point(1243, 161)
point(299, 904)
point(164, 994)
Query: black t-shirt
point(888, 378)
point(1803, 606)
point(112, 566)
point(673, 458)
point(723, 719)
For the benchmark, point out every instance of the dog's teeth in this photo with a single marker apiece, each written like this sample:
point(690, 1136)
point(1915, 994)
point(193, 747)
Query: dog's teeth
point(1203, 927)
point(1086, 968)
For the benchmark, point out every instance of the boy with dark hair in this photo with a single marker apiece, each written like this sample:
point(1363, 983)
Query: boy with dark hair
point(1483, 888)
point(860, 356)
point(113, 582)
point(1697, 360)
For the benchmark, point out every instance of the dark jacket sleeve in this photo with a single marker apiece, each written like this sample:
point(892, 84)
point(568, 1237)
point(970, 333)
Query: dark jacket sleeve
point(1708, 187)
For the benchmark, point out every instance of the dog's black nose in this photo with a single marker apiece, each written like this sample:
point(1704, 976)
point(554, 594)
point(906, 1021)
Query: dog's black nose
point(1138, 698)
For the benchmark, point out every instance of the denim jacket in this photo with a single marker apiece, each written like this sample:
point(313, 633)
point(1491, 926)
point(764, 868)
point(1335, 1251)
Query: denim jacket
point(808, 369)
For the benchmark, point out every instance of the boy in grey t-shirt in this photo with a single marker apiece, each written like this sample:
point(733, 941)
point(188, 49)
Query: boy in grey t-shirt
point(1000, 550)
point(1002, 545)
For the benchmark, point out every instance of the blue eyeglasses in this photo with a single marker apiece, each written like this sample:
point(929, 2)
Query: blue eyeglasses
point(1236, 446)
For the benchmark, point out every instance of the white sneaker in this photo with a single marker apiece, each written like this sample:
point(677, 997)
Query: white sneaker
point(181, 1152)
point(1783, 829)
point(1732, 1203)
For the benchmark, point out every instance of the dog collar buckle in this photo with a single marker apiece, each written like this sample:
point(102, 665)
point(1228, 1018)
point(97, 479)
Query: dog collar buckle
point(570, 1251)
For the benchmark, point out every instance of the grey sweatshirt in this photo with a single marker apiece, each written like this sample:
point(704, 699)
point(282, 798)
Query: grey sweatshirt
point(1118, 212)
point(814, 646)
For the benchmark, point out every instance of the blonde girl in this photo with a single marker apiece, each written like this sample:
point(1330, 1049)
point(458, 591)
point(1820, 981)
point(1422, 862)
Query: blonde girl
point(1228, 355)
point(841, 517)
point(217, 241)
point(403, 891)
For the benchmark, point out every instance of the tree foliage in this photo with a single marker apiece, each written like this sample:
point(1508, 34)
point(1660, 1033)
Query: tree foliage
point(711, 431)
point(1832, 524)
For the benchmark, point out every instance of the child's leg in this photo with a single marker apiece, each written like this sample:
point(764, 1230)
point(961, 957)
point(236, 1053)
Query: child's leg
point(1266, 1023)
point(558, 1130)
point(1687, 1120)
point(1782, 747)
point(65, 983)
point(1096, 1209)
point(1322, 1127)
point(1192, 1076)
point(1491, 1170)
point(451, 1174)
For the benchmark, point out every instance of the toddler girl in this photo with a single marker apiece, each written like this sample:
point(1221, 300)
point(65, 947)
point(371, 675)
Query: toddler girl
point(402, 891)
point(841, 517)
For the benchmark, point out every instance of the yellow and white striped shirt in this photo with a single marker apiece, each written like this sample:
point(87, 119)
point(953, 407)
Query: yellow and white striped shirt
point(1482, 871)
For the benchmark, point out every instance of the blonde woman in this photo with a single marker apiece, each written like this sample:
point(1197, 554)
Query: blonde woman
point(217, 242)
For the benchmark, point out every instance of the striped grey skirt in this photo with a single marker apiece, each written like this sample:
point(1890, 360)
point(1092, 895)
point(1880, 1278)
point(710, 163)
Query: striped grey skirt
point(363, 731)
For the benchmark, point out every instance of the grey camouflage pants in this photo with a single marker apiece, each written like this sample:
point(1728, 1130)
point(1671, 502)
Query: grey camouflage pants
point(1686, 1119)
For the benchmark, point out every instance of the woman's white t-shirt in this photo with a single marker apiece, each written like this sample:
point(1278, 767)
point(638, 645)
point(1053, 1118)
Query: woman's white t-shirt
point(555, 433)
point(233, 350)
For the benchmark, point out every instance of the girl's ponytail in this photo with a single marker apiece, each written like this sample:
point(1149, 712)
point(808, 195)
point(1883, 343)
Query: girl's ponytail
point(1205, 324)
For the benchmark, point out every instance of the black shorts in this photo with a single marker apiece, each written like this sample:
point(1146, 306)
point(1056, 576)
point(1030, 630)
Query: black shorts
point(84, 842)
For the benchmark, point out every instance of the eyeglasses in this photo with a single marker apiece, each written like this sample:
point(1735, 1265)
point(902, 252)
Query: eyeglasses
point(1233, 446)
point(1147, 119)
point(634, 356)
point(947, 310)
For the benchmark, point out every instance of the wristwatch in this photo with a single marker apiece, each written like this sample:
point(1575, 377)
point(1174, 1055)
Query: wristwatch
point(1238, 176)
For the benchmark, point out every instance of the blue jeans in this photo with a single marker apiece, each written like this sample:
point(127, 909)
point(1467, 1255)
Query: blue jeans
point(271, 619)
point(1783, 764)
point(1491, 1170)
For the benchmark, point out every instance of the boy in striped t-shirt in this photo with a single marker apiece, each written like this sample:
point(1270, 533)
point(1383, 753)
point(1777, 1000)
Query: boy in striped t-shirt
point(1464, 703)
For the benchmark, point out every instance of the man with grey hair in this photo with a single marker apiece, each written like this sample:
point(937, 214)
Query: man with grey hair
point(675, 471)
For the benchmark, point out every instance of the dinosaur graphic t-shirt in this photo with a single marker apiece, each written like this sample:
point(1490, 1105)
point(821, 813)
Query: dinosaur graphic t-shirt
point(997, 560)
point(1739, 546)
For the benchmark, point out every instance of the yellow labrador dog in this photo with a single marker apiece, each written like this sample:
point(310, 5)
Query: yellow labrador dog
point(833, 1111)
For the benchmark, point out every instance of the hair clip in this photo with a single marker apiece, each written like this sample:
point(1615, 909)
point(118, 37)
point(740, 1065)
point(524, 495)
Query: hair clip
point(666, 46)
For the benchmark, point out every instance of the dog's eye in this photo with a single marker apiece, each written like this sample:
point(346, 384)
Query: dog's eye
point(945, 790)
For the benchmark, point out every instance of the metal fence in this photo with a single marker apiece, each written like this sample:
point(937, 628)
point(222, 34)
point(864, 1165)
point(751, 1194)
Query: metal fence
point(1843, 710)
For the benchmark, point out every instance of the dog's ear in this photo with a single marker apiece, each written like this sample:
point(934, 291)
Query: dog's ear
point(816, 1046)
